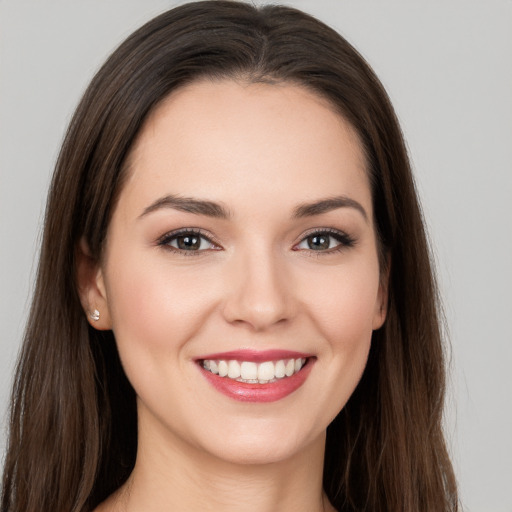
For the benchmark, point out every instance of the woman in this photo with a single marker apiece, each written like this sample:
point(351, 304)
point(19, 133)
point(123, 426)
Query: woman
point(235, 306)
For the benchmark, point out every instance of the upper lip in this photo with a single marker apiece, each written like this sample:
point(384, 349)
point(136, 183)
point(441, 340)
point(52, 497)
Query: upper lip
point(256, 356)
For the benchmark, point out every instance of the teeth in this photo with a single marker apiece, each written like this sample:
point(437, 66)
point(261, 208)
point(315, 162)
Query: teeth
point(233, 369)
point(280, 369)
point(290, 368)
point(266, 371)
point(248, 370)
point(223, 368)
point(254, 373)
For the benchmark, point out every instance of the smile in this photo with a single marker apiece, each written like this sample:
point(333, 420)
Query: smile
point(252, 372)
point(256, 376)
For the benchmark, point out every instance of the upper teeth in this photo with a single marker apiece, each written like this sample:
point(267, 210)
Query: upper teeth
point(248, 371)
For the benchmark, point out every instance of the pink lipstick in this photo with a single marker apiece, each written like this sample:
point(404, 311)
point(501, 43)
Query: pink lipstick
point(256, 376)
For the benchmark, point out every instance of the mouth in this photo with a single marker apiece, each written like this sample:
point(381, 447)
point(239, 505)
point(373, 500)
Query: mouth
point(256, 376)
point(252, 372)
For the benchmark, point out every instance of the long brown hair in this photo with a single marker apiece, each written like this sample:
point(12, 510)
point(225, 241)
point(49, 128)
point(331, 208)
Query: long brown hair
point(73, 429)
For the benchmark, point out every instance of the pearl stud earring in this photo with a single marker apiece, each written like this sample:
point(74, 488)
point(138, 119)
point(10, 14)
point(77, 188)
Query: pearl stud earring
point(95, 315)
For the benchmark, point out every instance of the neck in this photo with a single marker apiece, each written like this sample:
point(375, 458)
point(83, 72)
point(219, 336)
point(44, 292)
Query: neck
point(177, 476)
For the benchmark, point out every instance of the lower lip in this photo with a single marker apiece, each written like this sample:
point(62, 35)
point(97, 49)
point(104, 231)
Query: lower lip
point(271, 392)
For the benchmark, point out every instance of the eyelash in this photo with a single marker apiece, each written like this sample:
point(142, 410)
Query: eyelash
point(344, 240)
point(166, 240)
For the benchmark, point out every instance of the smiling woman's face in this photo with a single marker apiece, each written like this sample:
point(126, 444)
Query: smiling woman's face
point(242, 244)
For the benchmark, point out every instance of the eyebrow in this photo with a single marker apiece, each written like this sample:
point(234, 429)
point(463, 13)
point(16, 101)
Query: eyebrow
point(188, 204)
point(327, 205)
point(212, 209)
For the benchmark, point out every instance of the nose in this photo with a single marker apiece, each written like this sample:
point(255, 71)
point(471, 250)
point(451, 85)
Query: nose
point(259, 292)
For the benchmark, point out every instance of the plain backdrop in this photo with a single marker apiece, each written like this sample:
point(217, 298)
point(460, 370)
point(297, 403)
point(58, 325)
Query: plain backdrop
point(447, 66)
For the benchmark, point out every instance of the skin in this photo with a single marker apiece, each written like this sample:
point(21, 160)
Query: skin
point(259, 151)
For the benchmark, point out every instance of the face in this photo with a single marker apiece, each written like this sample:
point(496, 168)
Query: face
point(241, 276)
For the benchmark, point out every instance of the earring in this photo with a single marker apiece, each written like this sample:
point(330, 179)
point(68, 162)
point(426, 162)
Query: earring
point(95, 315)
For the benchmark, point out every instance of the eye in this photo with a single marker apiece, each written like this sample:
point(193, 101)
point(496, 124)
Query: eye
point(325, 241)
point(187, 241)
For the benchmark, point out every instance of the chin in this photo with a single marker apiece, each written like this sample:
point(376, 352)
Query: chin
point(269, 444)
point(252, 454)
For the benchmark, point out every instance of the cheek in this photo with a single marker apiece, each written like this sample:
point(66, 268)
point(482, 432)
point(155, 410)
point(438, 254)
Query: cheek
point(342, 307)
point(346, 324)
point(155, 308)
point(343, 302)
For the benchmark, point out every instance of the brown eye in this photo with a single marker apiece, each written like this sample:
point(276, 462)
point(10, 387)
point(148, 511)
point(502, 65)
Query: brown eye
point(318, 242)
point(187, 241)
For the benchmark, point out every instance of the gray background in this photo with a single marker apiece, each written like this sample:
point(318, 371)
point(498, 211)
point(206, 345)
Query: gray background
point(448, 68)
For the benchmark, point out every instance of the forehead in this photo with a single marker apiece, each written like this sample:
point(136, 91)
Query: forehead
point(227, 139)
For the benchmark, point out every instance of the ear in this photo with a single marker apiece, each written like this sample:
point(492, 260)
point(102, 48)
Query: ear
point(381, 304)
point(91, 288)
